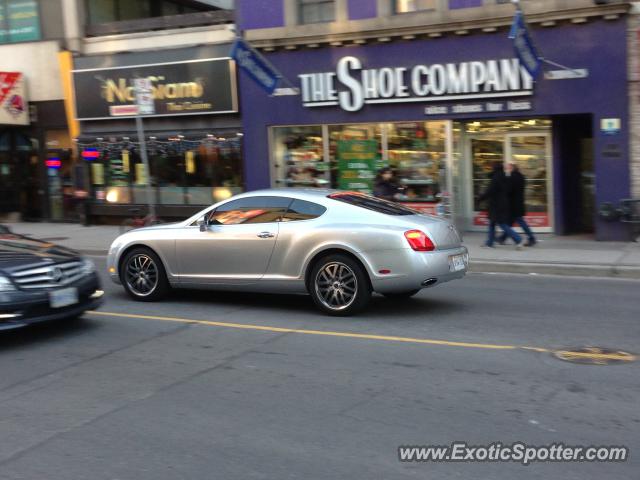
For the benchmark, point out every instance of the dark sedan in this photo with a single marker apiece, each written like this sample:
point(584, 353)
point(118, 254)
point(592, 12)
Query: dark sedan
point(41, 281)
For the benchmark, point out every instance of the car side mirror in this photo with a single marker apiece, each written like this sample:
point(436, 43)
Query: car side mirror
point(203, 225)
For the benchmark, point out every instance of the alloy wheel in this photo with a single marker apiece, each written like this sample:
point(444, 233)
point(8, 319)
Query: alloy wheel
point(336, 286)
point(141, 275)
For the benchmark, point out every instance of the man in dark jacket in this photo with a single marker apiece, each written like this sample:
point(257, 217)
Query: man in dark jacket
point(498, 198)
point(516, 182)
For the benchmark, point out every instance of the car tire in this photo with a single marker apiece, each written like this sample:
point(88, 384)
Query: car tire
point(339, 285)
point(401, 295)
point(143, 275)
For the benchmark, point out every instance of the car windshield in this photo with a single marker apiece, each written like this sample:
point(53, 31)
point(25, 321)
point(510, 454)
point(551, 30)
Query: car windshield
point(372, 203)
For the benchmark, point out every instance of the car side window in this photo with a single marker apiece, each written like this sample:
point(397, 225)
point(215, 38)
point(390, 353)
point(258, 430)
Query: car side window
point(303, 210)
point(250, 210)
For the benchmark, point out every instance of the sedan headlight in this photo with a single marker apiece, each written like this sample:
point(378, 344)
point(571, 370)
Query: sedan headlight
point(6, 285)
point(88, 267)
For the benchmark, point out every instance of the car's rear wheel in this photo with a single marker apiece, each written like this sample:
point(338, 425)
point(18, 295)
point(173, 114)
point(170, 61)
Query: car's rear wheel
point(401, 295)
point(339, 285)
point(143, 275)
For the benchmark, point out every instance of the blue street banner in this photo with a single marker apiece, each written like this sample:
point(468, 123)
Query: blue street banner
point(523, 44)
point(255, 65)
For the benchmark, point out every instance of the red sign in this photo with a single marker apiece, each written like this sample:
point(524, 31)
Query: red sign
point(123, 110)
point(53, 163)
point(13, 103)
point(534, 219)
point(7, 82)
point(428, 208)
point(90, 154)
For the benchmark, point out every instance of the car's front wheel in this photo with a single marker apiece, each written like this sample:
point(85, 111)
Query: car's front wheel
point(339, 285)
point(143, 275)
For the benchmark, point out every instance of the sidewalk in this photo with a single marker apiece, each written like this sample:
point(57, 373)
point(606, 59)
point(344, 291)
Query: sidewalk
point(573, 255)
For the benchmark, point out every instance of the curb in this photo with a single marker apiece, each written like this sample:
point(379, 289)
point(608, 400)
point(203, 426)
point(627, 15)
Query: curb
point(565, 269)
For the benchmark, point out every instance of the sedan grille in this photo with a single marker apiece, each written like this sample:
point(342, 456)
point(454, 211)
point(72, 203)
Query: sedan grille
point(51, 276)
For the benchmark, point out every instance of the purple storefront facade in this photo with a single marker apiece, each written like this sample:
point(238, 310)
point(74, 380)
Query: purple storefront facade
point(571, 135)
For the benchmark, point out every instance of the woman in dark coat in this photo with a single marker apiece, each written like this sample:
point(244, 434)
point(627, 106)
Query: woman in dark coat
point(384, 187)
point(497, 196)
point(517, 210)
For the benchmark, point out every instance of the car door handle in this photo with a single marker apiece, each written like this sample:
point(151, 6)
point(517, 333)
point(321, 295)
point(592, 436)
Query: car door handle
point(266, 235)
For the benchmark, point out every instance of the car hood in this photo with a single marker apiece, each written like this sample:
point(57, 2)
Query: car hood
point(18, 251)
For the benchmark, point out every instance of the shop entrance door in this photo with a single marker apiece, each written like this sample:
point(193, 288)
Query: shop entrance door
point(531, 151)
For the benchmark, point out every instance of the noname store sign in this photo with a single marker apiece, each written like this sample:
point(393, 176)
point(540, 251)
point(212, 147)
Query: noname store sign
point(352, 86)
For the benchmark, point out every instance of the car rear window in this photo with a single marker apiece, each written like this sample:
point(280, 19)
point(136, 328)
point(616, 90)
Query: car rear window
point(303, 210)
point(372, 203)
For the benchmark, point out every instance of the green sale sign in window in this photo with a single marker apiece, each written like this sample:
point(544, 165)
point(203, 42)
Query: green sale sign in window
point(357, 162)
point(19, 21)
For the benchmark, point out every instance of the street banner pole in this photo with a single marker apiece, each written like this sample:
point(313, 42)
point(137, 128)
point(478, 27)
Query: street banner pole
point(144, 101)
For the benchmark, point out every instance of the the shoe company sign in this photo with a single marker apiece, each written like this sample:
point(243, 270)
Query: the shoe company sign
point(352, 86)
point(181, 88)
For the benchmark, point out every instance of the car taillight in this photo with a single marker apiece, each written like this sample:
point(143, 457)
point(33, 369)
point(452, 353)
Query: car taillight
point(419, 241)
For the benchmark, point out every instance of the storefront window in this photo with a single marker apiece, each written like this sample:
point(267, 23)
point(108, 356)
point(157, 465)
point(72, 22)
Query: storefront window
point(416, 151)
point(298, 157)
point(527, 143)
point(214, 162)
point(530, 155)
point(182, 171)
point(441, 167)
point(417, 154)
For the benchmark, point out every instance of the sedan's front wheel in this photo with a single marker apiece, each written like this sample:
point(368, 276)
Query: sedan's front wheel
point(339, 285)
point(143, 275)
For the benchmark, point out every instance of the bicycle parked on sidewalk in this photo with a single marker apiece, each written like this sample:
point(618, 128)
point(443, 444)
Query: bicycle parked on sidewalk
point(138, 221)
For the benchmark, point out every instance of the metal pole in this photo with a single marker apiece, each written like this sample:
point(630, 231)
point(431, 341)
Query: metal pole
point(145, 162)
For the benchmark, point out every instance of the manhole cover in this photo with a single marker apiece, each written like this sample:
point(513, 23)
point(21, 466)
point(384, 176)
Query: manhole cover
point(594, 356)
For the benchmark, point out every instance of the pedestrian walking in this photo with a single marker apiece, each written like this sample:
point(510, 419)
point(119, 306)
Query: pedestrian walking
point(516, 187)
point(385, 187)
point(497, 195)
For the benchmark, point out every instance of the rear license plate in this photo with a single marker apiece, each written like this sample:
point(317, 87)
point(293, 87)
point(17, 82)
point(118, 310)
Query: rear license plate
point(456, 263)
point(63, 298)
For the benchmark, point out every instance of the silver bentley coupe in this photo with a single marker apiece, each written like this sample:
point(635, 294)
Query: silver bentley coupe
point(337, 246)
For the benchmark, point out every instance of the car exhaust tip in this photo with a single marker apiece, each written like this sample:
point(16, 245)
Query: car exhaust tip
point(429, 282)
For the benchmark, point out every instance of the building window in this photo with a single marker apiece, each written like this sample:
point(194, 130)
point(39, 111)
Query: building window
point(107, 11)
point(455, 4)
point(317, 11)
point(19, 21)
point(405, 6)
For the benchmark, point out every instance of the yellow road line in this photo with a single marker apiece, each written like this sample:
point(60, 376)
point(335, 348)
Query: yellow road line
point(364, 336)
point(602, 356)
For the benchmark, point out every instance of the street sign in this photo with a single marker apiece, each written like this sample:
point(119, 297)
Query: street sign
point(566, 74)
point(144, 96)
point(523, 44)
point(255, 65)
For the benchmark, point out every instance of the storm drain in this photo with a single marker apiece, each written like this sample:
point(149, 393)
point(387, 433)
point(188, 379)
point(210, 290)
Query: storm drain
point(594, 356)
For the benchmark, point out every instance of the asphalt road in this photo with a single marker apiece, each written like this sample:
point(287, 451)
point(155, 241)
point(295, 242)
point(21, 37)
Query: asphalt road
point(147, 395)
